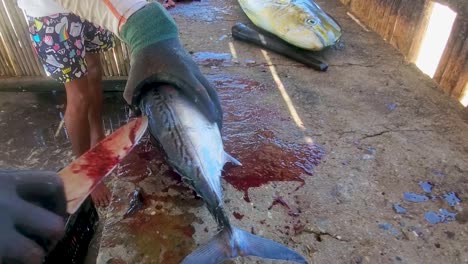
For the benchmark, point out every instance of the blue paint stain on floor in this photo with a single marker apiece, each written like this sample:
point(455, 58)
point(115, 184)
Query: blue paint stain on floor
point(442, 216)
point(449, 216)
point(433, 217)
point(399, 209)
point(426, 186)
point(390, 228)
point(391, 106)
point(414, 197)
point(451, 198)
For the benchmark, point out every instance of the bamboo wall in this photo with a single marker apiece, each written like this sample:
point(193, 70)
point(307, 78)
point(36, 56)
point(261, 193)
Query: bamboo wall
point(400, 22)
point(403, 23)
point(17, 58)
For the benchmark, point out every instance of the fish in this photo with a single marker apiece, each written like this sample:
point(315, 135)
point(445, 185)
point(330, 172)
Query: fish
point(301, 23)
point(136, 202)
point(194, 149)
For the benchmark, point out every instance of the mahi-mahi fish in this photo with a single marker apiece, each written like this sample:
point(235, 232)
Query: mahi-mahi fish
point(301, 23)
point(194, 149)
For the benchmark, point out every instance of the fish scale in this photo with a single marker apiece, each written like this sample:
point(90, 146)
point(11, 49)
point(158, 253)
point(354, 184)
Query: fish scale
point(193, 147)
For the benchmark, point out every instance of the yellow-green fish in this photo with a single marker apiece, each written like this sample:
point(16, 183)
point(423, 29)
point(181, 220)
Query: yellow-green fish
point(301, 23)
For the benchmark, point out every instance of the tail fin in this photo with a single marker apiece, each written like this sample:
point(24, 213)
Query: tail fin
point(229, 244)
point(252, 245)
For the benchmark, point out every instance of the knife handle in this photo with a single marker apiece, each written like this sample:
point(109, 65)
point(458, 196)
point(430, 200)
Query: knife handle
point(268, 41)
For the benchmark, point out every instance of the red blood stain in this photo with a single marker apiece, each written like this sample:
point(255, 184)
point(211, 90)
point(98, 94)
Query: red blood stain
point(248, 136)
point(116, 261)
point(97, 162)
point(211, 58)
point(188, 230)
point(238, 215)
point(268, 160)
point(265, 157)
point(279, 200)
point(139, 162)
point(100, 160)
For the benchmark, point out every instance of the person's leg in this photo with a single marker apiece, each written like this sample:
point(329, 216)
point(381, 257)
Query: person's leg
point(95, 89)
point(101, 195)
point(96, 40)
point(76, 115)
point(60, 44)
point(57, 41)
point(84, 125)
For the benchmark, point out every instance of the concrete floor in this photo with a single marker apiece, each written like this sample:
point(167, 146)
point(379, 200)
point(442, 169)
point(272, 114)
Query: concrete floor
point(321, 173)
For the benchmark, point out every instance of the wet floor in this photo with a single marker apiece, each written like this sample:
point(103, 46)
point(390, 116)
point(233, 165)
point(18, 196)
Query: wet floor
point(365, 163)
point(265, 159)
point(325, 156)
point(33, 130)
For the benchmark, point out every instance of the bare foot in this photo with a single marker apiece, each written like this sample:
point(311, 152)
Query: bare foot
point(101, 195)
point(167, 3)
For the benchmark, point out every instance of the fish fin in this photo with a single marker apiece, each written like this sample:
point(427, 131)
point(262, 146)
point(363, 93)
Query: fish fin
point(214, 252)
point(236, 242)
point(253, 245)
point(231, 159)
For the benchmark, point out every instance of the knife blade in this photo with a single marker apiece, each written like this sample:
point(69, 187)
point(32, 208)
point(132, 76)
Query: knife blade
point(83, 174)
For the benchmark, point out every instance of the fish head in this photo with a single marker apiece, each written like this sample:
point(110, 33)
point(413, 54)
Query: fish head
point(308, 26)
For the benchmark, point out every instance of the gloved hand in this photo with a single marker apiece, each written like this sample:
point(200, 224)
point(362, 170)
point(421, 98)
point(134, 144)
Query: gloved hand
point(157, 57)
point(32, 206)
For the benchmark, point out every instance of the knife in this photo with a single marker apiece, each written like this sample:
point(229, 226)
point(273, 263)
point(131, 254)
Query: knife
point(82, 175)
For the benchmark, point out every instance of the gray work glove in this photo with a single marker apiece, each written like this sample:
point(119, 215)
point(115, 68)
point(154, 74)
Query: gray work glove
point(32, 210)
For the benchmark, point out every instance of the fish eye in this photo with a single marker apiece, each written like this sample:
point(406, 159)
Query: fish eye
point(311, 21)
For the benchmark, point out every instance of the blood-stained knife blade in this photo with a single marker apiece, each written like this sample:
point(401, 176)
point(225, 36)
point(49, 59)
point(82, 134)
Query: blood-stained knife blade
point(82, 175)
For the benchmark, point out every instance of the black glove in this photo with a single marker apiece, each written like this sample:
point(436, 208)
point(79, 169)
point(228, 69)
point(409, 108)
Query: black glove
point(32, 207)
point(159, 58)
point(166, 62)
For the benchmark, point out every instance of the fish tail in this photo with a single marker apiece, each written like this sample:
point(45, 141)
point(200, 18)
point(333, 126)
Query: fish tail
point(233, 242)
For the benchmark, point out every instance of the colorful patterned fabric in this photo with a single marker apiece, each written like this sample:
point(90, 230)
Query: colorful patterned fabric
point(61, 42)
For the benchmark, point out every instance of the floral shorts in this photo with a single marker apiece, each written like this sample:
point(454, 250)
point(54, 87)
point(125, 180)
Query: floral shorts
point(61, 42)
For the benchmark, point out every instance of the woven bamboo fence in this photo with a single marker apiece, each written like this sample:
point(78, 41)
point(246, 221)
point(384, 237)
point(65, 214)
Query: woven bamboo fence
point(17, 57)
point(402, 24)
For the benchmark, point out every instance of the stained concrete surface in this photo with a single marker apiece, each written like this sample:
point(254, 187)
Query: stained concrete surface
point(366, 131)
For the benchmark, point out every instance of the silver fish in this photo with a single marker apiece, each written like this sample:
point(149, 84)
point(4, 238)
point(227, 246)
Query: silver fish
point(299, 22)
point(194, 148)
